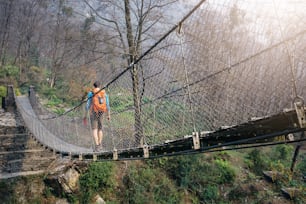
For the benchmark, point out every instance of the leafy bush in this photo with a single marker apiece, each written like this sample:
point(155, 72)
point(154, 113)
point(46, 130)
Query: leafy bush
point(210, 194)
point(282, 153)
point(48, 92)
point(302, 166)
point(9, 71)
point(256, 161)
point(120, 102)
point(197, 174)
point(17, 92)
point(97, 177)
point(225, 171)
point(3, 91)
point(146, 184)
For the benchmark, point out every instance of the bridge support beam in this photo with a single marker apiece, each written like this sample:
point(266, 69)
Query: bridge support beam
point(196, 140)
point(8, 103)
point(300, 111)
point(115, 154)
point(146, 151)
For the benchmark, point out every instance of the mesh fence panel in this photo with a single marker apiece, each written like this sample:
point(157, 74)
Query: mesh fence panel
point(229, 62)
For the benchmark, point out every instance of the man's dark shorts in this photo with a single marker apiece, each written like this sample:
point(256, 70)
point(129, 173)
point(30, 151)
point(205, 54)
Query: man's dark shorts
point(96, 120)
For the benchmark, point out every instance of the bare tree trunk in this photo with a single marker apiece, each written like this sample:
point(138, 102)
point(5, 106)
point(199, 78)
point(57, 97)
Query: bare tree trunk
point(135, 76)
point(5, 33)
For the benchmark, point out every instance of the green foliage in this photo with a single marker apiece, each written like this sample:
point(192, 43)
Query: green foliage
point(9, 71)
point(34, 55)
point(17, 92)
point(97, 177)
point(197, 174)
point(47, 192)
point(49, 93)
point(72, 198)
point(120, 102)
point(282, 153)
point(67, 11)
point(6, 192)
point(256, 161)
point(146, 184)
point(225, 171)
point(3, 91)
point(302, 165)
point(210, 193)
point(196, 169)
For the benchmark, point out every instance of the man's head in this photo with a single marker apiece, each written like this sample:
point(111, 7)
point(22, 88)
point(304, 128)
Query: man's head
point(96, 84)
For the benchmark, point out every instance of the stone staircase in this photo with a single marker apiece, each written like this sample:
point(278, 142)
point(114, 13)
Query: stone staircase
point(20, 153)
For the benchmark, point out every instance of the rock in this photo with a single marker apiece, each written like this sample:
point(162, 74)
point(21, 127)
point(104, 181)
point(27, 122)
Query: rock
point(98, 200)
point(291, 193)
point(69, 180)
point(62, 201)
point(64, 176)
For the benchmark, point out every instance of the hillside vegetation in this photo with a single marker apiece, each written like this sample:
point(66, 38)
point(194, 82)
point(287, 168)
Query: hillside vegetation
point(224, 177)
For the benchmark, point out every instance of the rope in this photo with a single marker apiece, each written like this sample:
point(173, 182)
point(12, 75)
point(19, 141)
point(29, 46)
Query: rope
point(228, 68)
point(137, 60)
point(226, 80)
point(214, 149)
point(290, 57)
point(283, 41)
point(180, 33)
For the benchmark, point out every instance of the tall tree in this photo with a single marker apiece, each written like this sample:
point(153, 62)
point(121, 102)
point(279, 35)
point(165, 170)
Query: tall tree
point(6, 8)
point(132, 22)
point(27, 34)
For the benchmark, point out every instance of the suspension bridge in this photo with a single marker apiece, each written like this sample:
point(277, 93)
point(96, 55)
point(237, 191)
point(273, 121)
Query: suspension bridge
point(229, 75)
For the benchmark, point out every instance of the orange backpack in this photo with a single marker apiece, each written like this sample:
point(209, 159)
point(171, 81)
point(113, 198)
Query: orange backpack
point(99, 100)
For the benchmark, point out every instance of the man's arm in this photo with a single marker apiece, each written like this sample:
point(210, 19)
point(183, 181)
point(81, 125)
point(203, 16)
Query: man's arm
point(108, 107)
point(87, 107)
point(89, 98)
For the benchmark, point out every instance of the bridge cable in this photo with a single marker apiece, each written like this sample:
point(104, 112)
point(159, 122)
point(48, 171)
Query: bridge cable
point(180, 34)
point(137, 60)
point(192, 83)
point(258, 145)
point(214, 149)
point(290, 56)
point(228, 68)
point(293, 79)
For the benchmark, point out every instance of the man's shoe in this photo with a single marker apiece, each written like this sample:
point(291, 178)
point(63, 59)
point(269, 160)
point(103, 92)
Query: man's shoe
point(96, 148)
point(100, 148)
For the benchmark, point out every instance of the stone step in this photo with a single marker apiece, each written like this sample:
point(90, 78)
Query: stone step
point(5, 175)
point(7, 130)
point(21, 154)
point(17, 145)
point(30, 164)
point(13, 135)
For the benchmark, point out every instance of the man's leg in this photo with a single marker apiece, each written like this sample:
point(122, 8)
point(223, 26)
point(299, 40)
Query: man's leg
point(95, 136)
point(100, 133)
point(94, 124)
point(100, 136)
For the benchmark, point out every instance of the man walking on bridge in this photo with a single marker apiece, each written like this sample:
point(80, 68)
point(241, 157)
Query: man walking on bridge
point(97, 104)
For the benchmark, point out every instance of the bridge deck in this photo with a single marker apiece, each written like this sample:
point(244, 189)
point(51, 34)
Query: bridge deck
point(41, 133)
point(257, 131)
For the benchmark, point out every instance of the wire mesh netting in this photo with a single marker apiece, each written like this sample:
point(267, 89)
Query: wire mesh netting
point(228, 62)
